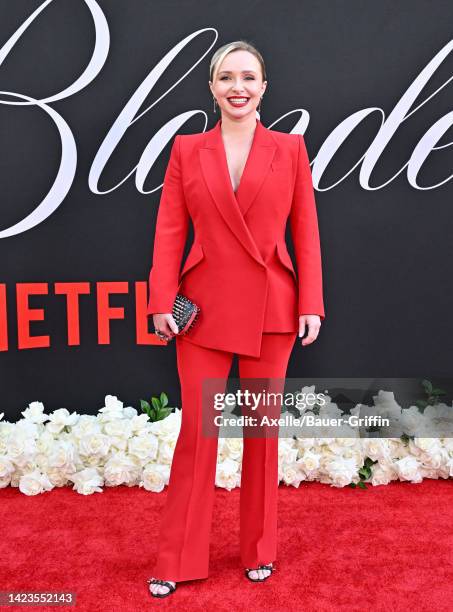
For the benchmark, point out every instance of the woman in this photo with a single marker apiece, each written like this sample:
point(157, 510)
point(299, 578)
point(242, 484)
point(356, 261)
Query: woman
point(239, 183)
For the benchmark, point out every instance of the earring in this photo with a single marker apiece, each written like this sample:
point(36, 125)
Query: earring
point(215, 101)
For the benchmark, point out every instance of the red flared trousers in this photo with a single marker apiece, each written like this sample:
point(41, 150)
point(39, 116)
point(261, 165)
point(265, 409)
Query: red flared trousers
point(184, 538)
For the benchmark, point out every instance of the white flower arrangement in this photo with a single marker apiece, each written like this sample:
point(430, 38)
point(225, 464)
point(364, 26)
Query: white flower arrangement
point(120, 447)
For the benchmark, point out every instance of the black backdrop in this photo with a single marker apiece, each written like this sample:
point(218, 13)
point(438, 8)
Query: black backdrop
point(386, 247)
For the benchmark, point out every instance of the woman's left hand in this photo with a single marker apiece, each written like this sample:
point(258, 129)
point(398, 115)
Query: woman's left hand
point(314, 325)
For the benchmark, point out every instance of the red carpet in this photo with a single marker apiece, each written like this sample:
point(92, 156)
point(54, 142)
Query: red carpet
point(389, 548)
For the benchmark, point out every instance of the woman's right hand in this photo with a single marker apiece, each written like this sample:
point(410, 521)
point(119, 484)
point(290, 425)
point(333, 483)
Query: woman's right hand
point(165, 324)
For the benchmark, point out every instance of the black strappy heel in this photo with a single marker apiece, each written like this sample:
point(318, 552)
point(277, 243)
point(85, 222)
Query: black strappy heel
point(163, 583)
point(262, 567)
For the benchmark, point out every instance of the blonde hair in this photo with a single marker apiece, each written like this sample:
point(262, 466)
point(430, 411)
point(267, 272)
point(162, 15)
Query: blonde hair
point(222, 52)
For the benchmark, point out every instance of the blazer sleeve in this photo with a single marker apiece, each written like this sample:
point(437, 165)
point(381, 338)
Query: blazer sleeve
point(170, 237)
point(305, 237)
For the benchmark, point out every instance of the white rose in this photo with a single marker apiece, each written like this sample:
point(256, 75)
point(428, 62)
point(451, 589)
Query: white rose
point(428, 445)
point(20, 449)
point(112, 410)
point(155, 477)
point(411, 420)
point(34, 482)
point(434, 460)
point(440, 418)
point(449, 467)
point(387, 404)
point(168, 428)
point(408, 468)
point(231, 448)
point(325, 456)
point(6, 429)
point(28, 429)
point(376, 448)
point(291, 475)
point(426, 472)
point(121, 469)
point(444, 470)
point(131, 413)
point(94, 445)
point(330, 410)
point(440, 410)
point(288, 455)
point(5, 482)
point(285, 445)
point(144, 447)
point(341, 471)
point(59, 419)
point(140, 424)
point(93, 461)
point(309, 461)
point(227, 474)
point(358, 409)
point(340, 444)
point(166, 451)
point(356, 454)
point(397, 448)
point(86, 425)
point(57, 477)
point(87, 481)
point(447, 443)
point(6, 467)
point(382, 474)
point(62, 456)
point(35, 413)
point(428, 451)
point(119, 428)
point(45, 442)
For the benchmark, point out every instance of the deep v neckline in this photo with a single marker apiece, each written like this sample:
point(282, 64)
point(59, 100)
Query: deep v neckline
point(246, 161)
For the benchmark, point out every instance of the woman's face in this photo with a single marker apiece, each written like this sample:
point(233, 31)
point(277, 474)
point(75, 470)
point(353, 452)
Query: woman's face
point(238, 76)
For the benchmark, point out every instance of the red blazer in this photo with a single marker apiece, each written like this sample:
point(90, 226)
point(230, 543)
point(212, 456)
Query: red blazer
point(238, 270)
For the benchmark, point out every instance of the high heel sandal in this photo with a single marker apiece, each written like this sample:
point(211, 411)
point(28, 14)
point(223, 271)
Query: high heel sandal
point(165, 583)
point(260, 567)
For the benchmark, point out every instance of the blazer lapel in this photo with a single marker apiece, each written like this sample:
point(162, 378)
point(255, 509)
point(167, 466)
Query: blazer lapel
point(215, 171)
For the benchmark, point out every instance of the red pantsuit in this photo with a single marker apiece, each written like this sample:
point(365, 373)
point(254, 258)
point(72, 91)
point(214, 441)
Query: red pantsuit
point(240, 274)
point(238, 269)
point(183, 543)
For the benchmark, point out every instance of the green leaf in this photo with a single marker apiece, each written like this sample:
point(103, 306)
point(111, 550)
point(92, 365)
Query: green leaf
point(166, 411)
point(163, 399)
point(369, 462)
point(427, 385)
point(155, 402)
point(362, 485)
point(144, 405)
point(364, 472)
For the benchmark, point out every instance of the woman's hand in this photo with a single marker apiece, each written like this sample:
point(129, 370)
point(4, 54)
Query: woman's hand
point(314, 325)
point(164, 325)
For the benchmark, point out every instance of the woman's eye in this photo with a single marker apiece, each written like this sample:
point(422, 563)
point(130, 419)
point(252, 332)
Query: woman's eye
point(226, 77)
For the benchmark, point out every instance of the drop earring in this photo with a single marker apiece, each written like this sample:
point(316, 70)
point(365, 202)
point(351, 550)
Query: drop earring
point(215, 109)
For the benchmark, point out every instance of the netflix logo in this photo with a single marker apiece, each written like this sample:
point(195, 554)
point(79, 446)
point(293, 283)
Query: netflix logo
point(70, 294)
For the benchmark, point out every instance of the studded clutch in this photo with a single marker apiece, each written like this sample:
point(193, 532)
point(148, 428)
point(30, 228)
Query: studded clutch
point(185, 313)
